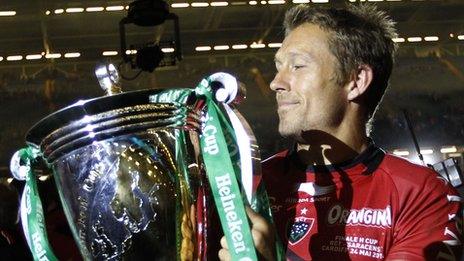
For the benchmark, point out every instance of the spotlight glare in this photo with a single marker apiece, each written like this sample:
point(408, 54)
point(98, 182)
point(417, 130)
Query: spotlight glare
point(33, 57)
point(221, 47)
point(219, 4)
point(426, 151)
point(202, 48)
point(200, 4)
point(110, 53)
point(257, 45)
point(180, 5)
point(72, 55)
point(7, 13)
point(167, 50)
point(74, 10)
point(239, 46)
point(401, 153)
point(274, 45)
point(129, 52)
point(431, 38)
point(14, 58)
point(414, 39)
point(115, 8)
point(53, 55)
point(95, 9)
point(450, 149)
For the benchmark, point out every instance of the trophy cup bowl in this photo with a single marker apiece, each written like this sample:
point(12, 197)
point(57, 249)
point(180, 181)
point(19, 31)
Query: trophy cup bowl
point(128, 175)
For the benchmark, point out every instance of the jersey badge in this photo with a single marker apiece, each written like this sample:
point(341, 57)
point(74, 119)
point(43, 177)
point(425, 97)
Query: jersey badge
point(299, 229)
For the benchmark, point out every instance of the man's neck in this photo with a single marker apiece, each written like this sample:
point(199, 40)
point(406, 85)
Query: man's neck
point(325, 148)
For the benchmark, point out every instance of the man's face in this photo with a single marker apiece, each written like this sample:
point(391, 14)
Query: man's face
point(307, 93)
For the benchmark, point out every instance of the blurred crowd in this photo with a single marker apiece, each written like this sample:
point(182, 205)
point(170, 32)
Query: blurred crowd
point(13, 244)
point(438, 124)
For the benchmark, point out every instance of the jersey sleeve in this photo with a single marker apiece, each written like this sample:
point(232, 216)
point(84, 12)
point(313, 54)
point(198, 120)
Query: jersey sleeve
point(430, 224)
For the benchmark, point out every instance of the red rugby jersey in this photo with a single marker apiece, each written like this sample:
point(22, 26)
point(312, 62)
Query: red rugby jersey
point(377, 206)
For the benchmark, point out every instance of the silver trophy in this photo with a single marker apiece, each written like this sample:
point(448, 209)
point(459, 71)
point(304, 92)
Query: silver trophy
point(129, 171)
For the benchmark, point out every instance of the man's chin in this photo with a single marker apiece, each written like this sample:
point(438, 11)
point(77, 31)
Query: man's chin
point(286, 132)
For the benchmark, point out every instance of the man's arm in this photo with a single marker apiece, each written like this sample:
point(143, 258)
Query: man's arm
point(430, 225)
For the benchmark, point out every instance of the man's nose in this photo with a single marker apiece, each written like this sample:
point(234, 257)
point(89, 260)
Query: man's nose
point(280, 82)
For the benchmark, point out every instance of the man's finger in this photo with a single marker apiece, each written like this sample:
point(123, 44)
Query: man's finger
point(258, 239)
point(224, 255)
point(224, 243)
point(257, 221)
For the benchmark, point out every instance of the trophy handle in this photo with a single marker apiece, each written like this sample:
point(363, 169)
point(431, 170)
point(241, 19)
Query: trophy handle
point(31, 211)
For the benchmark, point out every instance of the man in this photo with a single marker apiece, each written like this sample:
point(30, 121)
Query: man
point(335, 195)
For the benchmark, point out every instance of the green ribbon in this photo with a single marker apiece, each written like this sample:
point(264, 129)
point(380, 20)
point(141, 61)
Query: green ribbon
point(223, 180)
point(32, 216)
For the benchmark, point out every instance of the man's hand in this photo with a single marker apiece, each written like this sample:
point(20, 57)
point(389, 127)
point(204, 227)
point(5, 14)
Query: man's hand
point(263, 237)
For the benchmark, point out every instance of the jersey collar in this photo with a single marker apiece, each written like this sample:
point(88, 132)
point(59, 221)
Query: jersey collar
point(370, 159)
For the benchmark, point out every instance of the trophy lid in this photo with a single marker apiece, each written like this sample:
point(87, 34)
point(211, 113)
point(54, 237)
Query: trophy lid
point(84, 108)
point(100, 118)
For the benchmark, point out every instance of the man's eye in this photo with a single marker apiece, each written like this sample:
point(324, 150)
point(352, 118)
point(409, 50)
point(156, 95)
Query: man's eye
point(296, 67)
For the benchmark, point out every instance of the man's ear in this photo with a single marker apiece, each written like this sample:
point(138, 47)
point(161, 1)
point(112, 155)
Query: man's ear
point(361, 79)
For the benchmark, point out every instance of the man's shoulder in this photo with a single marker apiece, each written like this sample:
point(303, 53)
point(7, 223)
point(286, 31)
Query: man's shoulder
point(403, 168)
point(426, 212)
point(407, 175)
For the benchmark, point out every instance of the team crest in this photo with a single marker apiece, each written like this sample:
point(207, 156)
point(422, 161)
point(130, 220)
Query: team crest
point(299, 229)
